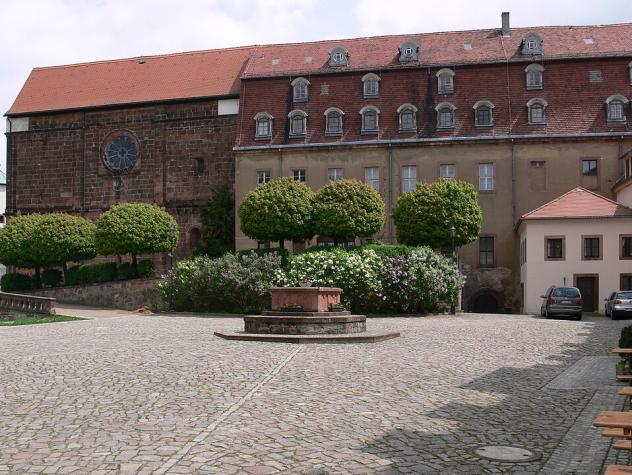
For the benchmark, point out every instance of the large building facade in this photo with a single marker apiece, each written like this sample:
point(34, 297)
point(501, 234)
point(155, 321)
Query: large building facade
point(523, 114)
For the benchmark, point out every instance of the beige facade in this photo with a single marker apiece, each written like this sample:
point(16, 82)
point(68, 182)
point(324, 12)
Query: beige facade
point(526, 174)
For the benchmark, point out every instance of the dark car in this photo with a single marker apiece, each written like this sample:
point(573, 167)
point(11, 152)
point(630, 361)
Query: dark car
point(619, 304)
point(562, 301)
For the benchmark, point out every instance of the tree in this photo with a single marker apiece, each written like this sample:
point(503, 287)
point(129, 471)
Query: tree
point(425, 215)
point(278, 210)
point(347, 209)
point(61, 238)
point(218, 223)
point(135, 228)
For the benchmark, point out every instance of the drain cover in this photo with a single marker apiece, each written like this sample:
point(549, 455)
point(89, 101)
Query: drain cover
point(505, 453)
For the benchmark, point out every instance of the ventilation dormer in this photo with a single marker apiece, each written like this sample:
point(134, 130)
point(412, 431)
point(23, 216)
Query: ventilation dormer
point(408, 51)
point(338, 56)
point(532, 44)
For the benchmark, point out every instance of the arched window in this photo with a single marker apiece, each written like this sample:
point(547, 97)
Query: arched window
point(407, 118)
point(615, 108)
point(298, 123)
point(445, 81)
point(333, 121)
point(300, 88)
point(483, 114)
point(338, 56)
point(534, 76)
point(263, 125)
point(537, 111)
point(371, 85)
point(445, 115)
point(370, 120)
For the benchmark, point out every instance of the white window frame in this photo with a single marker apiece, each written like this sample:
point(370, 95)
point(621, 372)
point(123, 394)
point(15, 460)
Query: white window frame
point(445, 81)
point(409, 178)
point(619, 100)
point(299, 174)
point(490, 106)
point(372, 110)
point(447, 171)
point(537, 103)
point(291, 116)
point(372, 177)
point(371, 85)
point(486, 176)
point(263, 176)
point(534, 70)
point(443, 108)
point(334, 174)
point(328, 114)
point(403, 109)
point(261, 117)
point(300, 90)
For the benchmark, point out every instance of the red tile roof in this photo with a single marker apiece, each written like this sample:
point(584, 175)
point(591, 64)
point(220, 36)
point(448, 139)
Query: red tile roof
point(127, 81)
point(447, 48)
point(579, 203)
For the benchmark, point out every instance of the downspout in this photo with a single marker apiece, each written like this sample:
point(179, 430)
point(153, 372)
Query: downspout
point(391, 238)
point(513, 182)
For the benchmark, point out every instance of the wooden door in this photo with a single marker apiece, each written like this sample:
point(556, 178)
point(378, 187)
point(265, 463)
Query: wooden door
point(587, 285)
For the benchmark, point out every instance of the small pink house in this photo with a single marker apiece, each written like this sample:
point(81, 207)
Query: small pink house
point(580, 239)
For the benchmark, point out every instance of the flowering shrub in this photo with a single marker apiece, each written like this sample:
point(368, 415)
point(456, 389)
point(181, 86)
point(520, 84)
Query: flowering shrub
point(418, 281)
point(356, 273)
point(230, 283)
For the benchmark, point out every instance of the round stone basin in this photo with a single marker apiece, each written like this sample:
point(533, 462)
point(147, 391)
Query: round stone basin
point(305, 325)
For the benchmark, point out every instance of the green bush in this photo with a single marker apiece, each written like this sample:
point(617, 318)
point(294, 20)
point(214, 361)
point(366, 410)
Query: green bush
point(146, 268)
point(386, 250)
point(91, 273)
point(231, 283)
point(217, 216)
point(14, 281)
point(624, 342)
point(125, 271)
point(424, 216)
point(51, 278)
point(282, 252)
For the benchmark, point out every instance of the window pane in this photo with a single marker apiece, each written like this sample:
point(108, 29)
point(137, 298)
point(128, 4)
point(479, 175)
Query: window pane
point(335, 174)
point(263, 176)
point(263, 127)
point(446, 117)
point(447, 172)
point(446, 84)
point(334, 122)
point(627, 247)
point(591, 247)
point(371, 87)
point(589, 167)
point(300, 91)
point(299, 175)
point(486, 251)
point(626, 282)
point(554, 248)
point(486, 176)
point(407, 120)
point(372, 177)
point(615, 110)
point(483, 116)
point(298, 125)
point(534, 79)
point(369, 121)
point(409, 178)
point(536, 113)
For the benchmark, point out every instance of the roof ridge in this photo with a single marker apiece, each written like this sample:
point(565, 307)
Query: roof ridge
point(135, 58)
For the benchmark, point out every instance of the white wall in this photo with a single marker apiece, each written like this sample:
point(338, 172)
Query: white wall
point(538, 275)
point(625, 196)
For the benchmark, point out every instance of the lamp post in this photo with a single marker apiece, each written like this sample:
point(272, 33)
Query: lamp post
point(453, 235)
point(172, 235)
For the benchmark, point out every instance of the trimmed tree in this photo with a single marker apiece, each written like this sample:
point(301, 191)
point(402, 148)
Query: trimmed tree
point(348, 209)
point(135, 228)
point(424, 216)
point(217, 216)
point(278, 210)
point(61, 238)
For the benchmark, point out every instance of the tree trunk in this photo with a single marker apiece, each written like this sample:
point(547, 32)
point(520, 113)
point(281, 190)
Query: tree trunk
point(64, 268)
point(282, 243)
point(37, 283)
point(134, 265)
point(335, 241)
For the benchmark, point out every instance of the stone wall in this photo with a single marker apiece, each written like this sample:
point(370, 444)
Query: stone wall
point(127, 294)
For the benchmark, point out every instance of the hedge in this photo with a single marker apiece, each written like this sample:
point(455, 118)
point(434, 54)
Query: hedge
point(15, 281)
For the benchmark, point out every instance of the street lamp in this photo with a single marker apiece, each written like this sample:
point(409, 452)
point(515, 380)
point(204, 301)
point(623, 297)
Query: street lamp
point(172, 235)
point(453, 235)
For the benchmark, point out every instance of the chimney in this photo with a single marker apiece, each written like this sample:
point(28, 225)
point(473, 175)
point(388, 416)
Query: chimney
point(506, 31)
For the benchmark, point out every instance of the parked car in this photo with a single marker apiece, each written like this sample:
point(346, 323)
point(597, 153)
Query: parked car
point(619, 304)
point(562, 301)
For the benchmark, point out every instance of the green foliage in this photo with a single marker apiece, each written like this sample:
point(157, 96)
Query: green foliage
point(17, 243)
point(424, 216)
point(625, 341)
point(146, 268)
point(283, 253)
point(125, 271)
point(91, 273)
point(51, 278)
point(278, 210)
point(386, 250)
point(231, 283)
point(135, 228)
point(347, 209)
point(218, 223)
point(14, 281)
point(19, 320)
point(61, 237)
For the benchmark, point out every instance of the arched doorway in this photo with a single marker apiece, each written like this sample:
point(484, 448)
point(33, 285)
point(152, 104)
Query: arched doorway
point(485, 302)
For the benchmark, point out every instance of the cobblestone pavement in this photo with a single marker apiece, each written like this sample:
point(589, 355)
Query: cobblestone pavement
point(159, 394)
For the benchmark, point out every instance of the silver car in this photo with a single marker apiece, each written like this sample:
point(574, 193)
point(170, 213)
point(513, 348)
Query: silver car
point(619, 304)
point(562, 301)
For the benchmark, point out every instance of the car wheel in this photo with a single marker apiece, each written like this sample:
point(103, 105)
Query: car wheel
point(578, 316)
point(613, 315)
point(546, 314)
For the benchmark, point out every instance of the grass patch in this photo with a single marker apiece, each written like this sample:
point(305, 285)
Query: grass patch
point(16, 320)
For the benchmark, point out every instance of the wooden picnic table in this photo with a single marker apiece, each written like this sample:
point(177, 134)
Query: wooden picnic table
point(627, 353)
point(622, 420)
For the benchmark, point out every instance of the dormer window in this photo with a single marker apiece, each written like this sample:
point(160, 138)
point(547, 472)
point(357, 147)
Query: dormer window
point(298, 123)
point(445, 81)
point(483, 114)
point(371, 85)
point(407, 118)
point(408, 51)
point(532, 44)
point(338, 56)
point(534, 76)
point(536, 109)
point(300, 88)
point(445, 115)
point(370, 120)
point(333, 121)
point(263, 125)
point(615, 108)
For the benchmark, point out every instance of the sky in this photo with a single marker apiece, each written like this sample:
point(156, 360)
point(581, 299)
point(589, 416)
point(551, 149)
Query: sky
point(53, 32)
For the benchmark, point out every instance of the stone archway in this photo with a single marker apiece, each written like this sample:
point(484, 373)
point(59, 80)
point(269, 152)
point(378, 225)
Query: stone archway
point(485, 301)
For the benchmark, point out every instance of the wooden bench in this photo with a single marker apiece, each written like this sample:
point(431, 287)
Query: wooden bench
point(622, 444)
point(618, 470)
point(627, 391)
point(614, 419)
point(625, 353)
point(616, 433)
